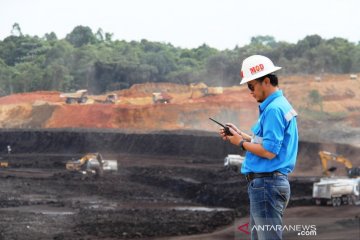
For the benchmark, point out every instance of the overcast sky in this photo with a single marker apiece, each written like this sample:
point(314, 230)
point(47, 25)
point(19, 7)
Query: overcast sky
point(187, 23)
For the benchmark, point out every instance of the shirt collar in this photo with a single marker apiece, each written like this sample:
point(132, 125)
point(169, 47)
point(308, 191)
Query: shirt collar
point(269, 99)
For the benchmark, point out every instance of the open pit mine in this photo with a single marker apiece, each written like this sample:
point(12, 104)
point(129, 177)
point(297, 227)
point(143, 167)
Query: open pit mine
point(170, 181)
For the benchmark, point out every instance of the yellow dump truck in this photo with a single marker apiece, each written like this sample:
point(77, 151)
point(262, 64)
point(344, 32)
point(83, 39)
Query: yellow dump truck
point(80, 96)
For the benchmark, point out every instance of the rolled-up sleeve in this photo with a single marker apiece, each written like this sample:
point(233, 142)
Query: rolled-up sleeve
point(273, 130)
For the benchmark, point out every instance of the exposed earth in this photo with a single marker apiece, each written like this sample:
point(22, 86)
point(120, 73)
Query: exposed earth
point(171, 182)
point(167, 187)
point(328, 107)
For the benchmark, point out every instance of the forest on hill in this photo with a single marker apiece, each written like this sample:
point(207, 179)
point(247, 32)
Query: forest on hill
point(97, 62)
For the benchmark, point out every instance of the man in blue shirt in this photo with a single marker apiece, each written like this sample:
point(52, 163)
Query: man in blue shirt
point(271, 150)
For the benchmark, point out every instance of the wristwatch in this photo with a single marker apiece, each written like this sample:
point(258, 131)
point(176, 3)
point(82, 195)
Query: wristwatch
point(242, 145)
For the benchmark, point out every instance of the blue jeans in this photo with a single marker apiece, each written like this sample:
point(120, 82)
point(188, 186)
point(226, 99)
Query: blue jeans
point(269, 197)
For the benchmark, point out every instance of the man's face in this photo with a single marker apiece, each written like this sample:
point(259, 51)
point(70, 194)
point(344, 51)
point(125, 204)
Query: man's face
point(256, 90)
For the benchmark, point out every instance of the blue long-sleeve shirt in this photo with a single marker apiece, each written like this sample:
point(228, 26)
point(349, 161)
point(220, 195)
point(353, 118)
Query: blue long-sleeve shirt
point(276, 130)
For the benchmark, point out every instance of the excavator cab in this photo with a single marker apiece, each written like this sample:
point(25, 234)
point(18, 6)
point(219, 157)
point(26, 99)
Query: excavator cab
point(354, 172)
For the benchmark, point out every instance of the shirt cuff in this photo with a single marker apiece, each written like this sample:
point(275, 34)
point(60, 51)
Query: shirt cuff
point(271, 146)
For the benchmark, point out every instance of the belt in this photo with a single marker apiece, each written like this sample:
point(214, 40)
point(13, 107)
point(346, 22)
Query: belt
point(250, 176)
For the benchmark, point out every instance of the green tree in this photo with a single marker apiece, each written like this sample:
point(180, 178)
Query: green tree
point(6, 75)
point(99, 35)
point(16, 30)
point(264, 40)
point(80, 36)
point(20, 49)
point(28, 77)
point(50, 36)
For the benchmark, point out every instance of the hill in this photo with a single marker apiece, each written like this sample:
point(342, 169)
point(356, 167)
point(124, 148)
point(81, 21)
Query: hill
point(334, 116)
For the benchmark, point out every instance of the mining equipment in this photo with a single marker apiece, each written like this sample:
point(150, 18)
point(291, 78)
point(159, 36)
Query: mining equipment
point(233, 161)
point(111, 98)
point(91, 164)
point(161, 97)
point(4, 164)
point(335, 190)
point(80, 96)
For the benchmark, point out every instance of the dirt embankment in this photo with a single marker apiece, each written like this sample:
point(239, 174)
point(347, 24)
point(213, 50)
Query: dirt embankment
point(328, 107)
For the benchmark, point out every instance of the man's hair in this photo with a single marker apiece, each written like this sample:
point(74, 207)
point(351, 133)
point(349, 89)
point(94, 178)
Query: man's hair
point(273, 79)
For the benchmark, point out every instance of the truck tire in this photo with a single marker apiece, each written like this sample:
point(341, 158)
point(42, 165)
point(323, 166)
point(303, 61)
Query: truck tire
point(333, 201)
point(70, 100)
point(82, 100)
point(336, 201)
point(351, 200)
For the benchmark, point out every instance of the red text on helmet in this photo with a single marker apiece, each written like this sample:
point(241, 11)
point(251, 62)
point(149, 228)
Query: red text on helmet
point(257, 68)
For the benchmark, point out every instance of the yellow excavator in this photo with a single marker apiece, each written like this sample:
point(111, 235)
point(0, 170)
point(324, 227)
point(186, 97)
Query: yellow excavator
point(352, 172)
point(91, 163)
point(337, 190)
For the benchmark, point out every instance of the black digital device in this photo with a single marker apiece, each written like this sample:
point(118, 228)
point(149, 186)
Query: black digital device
point(226, 129)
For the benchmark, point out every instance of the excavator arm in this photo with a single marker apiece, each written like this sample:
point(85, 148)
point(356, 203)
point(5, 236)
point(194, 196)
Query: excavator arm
point(328, 156)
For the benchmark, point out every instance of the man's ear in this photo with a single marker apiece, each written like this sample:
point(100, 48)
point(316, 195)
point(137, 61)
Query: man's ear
point(267, 81)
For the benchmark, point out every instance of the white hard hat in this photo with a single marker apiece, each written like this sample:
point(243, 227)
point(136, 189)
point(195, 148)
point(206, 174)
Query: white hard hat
point(256, 66)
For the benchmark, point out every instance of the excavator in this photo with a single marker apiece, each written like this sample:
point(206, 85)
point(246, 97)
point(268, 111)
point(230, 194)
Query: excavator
point(91, 163)
point(337, 190)
point(325, 156)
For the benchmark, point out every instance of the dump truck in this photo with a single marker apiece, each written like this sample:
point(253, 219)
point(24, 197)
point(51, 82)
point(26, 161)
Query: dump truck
point(91, 164)
point(337, 191)
point(80, 96)
point(199, 90)
point(111, 98)
point(233, 161)
point(161, 97)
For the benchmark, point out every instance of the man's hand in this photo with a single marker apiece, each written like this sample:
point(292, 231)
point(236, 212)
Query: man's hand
point(234, 139)
point(230, 125)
